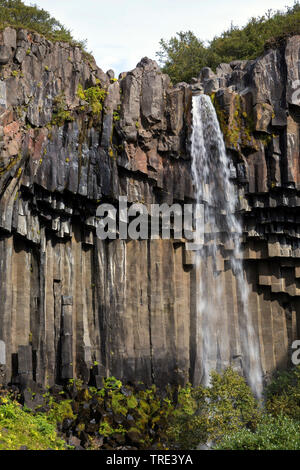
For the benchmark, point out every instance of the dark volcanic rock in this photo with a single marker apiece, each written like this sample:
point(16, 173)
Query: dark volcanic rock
point(76, 306)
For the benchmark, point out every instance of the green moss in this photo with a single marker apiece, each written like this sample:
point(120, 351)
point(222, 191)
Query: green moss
point(174, 418)
point(80, 92)
point(237, 128)
point(19, 111)
point(59, 411)
point(107, 430)
point(94, 96)
point(116, 116)
point(60, 112)
point(146, 406)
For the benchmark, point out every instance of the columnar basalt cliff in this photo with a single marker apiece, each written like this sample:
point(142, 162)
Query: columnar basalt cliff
point(72, 136)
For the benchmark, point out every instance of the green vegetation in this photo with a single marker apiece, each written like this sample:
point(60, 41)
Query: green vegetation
point(61, 114)
point(226, 413)
point(281, 433)
point(94, 96)
point(116, 115)
point(15, 13)
point(207, 414)
point(237, 127)
point(283, 394)
point(279, 425)
point(20, 428)
point(138, 416)
point(135, 416)
point(184, 55)
point(59, 411)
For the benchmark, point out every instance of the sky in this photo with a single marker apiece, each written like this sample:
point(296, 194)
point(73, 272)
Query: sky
point(120, 32)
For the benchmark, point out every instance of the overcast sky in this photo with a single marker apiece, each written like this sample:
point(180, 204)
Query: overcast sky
point(121, 32)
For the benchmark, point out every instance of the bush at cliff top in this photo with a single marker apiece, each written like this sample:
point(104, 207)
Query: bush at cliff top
point(15, 13)
point(183, 56)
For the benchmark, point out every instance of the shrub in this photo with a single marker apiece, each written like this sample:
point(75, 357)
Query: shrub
point(183, 56)
point(15, 13)
point(204, 414)
point(272, 433)
point(283, 394)
point(61, 114)
point(59, 411)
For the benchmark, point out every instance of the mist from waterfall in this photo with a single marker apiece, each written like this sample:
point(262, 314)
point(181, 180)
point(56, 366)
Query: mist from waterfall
point(222, 232)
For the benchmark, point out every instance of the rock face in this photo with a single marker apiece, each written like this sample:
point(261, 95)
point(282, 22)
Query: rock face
point(73, 305)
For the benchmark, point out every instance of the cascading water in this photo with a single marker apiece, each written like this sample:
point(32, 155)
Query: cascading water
point(225, 335)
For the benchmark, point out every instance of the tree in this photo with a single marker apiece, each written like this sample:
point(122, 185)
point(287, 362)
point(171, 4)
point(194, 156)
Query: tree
point(182, 56)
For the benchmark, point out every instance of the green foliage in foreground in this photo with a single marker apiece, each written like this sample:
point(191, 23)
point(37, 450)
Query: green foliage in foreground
point(272, 433)
point(22, 428)
point(15, 13)
point(135, 416)
point(140, 417)
point(180, 418)
point(279, 425)
point(183, 56)
point(207, 414)
point(283, 394)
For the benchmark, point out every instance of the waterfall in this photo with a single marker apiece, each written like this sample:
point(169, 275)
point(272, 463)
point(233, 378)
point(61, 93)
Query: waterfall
point(226, 326)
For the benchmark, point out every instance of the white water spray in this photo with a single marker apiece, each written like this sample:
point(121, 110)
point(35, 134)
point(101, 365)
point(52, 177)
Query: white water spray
point(225, 335)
